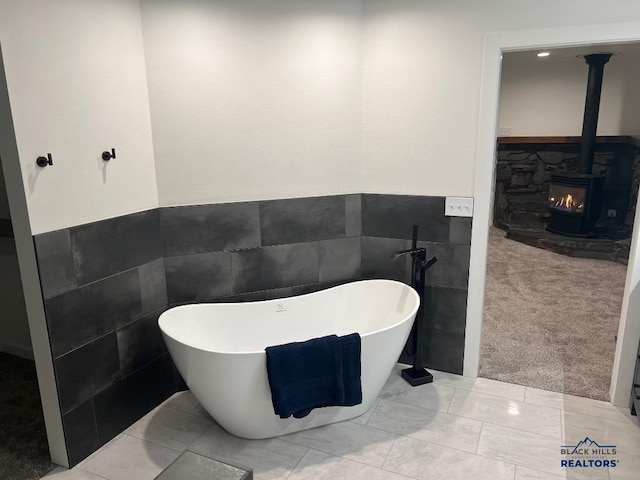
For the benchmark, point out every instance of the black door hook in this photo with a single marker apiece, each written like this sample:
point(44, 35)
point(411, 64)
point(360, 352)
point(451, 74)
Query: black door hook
point(44, 161)
point(106, 156)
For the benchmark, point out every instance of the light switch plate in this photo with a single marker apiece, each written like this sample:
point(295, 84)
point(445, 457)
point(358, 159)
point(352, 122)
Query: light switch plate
point(458, 207)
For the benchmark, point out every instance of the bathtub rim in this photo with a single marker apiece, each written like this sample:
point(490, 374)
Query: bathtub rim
point(411, 314)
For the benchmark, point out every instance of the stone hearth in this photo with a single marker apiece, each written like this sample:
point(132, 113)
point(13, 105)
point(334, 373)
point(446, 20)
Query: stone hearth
point(523, 174)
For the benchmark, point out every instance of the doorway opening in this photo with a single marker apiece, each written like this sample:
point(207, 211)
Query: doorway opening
point(32, 437)
point(560, 235)
point(24, 449)
point(496, 44)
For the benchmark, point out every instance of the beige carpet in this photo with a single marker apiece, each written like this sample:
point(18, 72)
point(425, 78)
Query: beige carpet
point(550, 320)
point(24, 452)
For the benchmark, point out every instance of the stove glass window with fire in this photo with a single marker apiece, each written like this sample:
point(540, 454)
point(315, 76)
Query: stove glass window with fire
point(566, 198)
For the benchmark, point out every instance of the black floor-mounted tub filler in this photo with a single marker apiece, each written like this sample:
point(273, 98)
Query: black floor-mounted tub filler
point(417, 374)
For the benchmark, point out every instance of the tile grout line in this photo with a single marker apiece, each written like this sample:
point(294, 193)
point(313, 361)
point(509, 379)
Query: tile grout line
point(480, 392)
point(497, 424)
point(450, 400)
point(400, 402)
point(96, 452)
point(298, 462)
point(188, 412)
point(625, 422)
point(466, 418)
point(520, 430)
point(120, 437)
point(411, 405)
point(381, 468)
point(188, 449)
point(436, 444)
point(516, 465)
point(387, 457)
point(510, 399)
point(479, 436)
point(605, 404)
point(319, 449)
point(84, 470)
point(430, 442)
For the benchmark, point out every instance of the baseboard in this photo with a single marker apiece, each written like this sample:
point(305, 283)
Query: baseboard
point(22, 352)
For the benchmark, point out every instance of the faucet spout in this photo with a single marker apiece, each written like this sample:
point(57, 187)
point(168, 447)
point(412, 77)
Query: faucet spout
point(398, 254)
point(411, 251)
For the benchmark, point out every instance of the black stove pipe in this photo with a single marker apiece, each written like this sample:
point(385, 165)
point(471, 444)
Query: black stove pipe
point(596, 64)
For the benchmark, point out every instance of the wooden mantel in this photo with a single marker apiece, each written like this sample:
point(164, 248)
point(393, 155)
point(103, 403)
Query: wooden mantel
point(633, 140)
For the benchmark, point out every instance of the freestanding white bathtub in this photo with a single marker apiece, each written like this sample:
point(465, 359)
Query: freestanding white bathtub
point(219, 349)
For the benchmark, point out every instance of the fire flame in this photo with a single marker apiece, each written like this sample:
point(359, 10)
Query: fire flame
point(568, 202)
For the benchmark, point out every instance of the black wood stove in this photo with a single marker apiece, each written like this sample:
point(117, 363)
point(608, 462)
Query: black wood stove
point(575, 201)
point(575, 198)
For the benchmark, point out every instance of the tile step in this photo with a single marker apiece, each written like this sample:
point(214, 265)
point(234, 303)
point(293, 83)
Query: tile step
point(197, 467)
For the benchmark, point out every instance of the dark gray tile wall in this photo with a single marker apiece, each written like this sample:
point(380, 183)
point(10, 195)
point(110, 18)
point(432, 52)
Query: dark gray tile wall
point(106, 283)
point(140, 342)
point(387, 226)
point(377, 261)
point(353, 215)
point(257, 296)
point(302, 220)
point(153, 286)
point(123, 403)
point(282, 246)
point(80, 316)
point(55, 262)
point(460, 230)
point(393, 216)
point(275, 267)
point(80, 431)
point(103, 286)
point(197, 277)
point(452, 268)
point(87, 370)
point(307, 244)
point(103, 248)
point(210, 228)
point(339, 259)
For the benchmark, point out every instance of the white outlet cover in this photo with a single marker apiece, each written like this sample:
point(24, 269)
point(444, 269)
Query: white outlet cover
point(458, 207)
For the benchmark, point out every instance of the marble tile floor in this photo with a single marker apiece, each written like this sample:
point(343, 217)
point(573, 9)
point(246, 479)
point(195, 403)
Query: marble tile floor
point(455, 428)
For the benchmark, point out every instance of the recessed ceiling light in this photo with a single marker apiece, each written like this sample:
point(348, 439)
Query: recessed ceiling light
point(544, 54)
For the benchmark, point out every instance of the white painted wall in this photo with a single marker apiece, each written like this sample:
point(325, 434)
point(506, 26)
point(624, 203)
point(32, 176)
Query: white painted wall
point(76, 77)
point(422, 71)
point(254, 99)
point(544, 97)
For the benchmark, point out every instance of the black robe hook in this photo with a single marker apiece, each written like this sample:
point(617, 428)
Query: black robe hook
point(106, 156)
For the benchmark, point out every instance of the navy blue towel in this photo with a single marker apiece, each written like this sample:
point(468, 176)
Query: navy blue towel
point(351, 368)
point(320, 372)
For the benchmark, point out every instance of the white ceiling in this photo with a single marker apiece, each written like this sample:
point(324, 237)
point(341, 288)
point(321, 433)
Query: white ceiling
point(572, 54)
